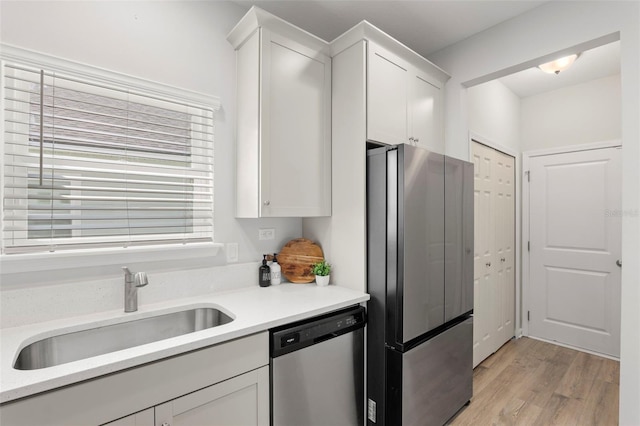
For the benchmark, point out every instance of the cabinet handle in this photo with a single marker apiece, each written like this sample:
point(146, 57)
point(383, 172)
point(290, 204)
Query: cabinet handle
point(165, 424)
point(619, 263)
point(411, 140)
point(502, 259)
point(266, 203)
point(416, 140)
point(488, 263)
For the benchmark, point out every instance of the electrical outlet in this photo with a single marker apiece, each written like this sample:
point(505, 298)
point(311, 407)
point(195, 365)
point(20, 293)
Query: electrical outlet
point(232, 252)
point(266, 234)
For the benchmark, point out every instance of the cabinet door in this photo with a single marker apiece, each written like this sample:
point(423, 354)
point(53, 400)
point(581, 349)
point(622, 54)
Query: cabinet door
point(386, 97)
point(425, 112)
point(143, 418)
point(295, 157)
point(240, 401)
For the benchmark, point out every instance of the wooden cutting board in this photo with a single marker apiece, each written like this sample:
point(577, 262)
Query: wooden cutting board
point(296, 259)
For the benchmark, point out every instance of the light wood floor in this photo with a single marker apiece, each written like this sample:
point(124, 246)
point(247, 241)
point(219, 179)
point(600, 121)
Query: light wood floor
point(529, 382)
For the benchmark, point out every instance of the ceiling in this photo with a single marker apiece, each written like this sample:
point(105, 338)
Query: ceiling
point(427, 26)
point(596, 63)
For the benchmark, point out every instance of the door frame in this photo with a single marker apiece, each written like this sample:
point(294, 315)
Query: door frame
point(474, 137)
point(526, 158)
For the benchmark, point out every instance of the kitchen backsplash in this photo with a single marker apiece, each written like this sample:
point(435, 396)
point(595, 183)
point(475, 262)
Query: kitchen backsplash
point(30, 304)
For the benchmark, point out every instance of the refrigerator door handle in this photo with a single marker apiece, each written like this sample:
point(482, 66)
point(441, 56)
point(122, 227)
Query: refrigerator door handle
point(393, 290)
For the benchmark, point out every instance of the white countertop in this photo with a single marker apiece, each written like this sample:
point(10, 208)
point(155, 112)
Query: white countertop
point(254, 309)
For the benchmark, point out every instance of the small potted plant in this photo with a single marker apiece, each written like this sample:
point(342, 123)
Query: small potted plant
point(321, 270)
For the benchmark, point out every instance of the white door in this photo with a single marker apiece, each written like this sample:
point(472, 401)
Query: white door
point(494, 259)
point(504, 248)
point(575, 236)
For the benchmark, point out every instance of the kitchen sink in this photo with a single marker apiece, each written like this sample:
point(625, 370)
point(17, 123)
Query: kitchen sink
point(101, 340)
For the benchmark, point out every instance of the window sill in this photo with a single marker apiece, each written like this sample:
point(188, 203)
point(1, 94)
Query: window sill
point(19, 263)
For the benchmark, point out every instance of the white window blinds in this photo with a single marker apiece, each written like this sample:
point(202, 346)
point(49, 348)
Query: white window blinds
point(90, 165)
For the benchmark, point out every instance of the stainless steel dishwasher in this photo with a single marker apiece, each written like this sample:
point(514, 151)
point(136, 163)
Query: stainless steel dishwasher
point(317, 371)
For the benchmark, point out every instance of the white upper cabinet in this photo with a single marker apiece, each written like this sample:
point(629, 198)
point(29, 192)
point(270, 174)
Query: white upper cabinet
point(425, 122)
point(388, 97)
point(283, 148)
point(404, 103)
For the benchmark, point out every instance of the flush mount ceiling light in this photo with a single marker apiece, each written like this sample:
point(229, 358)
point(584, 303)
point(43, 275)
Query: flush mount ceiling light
point(554, 67)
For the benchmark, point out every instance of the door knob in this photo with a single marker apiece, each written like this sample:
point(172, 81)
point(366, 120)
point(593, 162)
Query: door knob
point(266, 203)
point(619, 263)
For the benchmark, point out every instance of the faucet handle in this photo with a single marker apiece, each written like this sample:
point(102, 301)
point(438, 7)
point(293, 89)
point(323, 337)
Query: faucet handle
point(141, 279)
point(126, 270)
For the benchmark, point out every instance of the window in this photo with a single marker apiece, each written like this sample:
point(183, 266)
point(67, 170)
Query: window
point(89, 163)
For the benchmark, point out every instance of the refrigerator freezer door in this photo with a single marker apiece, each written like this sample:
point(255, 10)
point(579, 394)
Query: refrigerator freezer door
point(420, 241)
point(436, 378)
point(458, 273)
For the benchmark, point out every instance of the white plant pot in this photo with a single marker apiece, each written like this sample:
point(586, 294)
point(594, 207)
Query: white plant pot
point(322, 281)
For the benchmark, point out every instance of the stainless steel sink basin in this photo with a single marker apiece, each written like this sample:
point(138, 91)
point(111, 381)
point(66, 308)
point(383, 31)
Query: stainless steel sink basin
point(83, 344)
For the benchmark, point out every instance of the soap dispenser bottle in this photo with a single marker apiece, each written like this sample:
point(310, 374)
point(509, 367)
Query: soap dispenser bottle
point(264, 273)
point(275, 271)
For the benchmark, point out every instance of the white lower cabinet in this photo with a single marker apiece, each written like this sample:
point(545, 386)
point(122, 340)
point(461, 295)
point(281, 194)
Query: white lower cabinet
point(224, 384)
point(141, 418)
point(240, 401)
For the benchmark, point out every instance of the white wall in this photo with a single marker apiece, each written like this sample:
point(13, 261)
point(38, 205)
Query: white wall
point(520, 43)
point(584, 113)
point(181, 44)
point(494, 114)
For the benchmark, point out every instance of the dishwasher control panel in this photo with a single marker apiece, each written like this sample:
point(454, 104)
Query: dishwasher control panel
point(305, 333)
point(289, 339)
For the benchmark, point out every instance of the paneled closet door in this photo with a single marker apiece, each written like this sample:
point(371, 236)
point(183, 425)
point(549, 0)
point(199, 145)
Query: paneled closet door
point(504, 243)
point(494, 252)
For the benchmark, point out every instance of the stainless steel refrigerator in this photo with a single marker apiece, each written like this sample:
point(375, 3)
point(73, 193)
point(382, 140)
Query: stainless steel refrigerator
point(420, 278)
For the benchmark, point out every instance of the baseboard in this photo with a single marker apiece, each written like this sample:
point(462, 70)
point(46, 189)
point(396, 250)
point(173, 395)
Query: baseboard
point(575, 348)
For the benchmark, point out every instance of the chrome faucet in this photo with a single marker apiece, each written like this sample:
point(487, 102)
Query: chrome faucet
point(131, 283)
